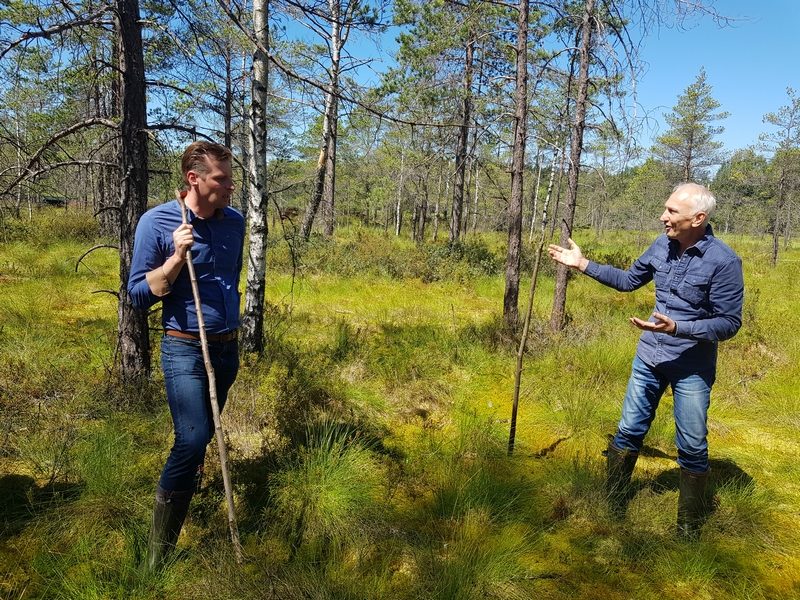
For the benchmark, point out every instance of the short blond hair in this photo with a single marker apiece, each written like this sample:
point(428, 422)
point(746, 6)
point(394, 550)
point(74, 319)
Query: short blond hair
point(194, 157)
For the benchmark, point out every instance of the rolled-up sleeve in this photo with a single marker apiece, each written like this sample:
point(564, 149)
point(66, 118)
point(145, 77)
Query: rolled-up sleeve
point(146, 282)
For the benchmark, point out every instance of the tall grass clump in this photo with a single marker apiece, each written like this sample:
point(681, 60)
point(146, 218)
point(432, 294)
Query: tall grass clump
point(345, 340)
point(744, 511)
point(405, 353)
point(476, 559)
point(105, 460)
point(326, 494)
point(86, 560)
point(574, 486)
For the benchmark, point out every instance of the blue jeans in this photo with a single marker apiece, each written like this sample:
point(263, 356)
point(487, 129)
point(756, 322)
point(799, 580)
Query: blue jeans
point(691, 394)
point(187, 393)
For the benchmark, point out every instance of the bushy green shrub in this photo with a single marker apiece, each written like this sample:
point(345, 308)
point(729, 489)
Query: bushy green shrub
point(50, 224)
point(370, 253)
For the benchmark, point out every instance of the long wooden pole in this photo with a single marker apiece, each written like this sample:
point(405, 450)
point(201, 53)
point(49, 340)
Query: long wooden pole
point(512, 434)
point(212, 392)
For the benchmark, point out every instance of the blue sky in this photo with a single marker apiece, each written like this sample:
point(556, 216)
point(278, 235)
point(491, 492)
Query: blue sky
point(749, 65)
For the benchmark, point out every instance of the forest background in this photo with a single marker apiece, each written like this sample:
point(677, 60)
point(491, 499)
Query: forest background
point(392, 213)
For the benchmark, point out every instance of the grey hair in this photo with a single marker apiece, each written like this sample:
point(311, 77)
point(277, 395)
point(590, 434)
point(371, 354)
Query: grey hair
point(700, 196)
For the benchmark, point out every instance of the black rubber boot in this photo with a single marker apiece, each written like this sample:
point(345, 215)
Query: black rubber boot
point(169, 514)
point(619, 469)
point(692, 504)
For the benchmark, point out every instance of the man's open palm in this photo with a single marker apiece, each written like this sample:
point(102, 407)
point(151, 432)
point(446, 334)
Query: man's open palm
point(571, 257)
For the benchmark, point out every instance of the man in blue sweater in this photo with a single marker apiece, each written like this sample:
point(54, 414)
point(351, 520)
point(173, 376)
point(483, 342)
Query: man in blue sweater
point(214, 234)
point(699, 295)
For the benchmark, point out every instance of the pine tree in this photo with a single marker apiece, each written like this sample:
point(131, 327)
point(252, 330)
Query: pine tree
point(689, 143)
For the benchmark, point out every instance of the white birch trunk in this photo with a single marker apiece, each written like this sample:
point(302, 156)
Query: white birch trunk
point(252, 334)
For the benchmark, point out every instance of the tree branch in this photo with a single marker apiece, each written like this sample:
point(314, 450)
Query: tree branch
point(90, 250)
point(43, 32)
point(26, 172)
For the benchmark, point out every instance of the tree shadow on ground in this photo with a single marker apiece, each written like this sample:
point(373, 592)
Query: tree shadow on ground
point(22, 500)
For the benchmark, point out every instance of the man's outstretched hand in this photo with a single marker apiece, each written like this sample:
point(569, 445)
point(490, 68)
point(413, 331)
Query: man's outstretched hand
point(662, 324)
point(571, 257)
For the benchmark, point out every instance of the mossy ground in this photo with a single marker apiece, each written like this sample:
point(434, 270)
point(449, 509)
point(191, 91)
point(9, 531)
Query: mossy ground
point(368, 444)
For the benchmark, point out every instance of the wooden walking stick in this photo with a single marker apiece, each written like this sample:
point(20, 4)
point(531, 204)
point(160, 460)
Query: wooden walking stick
point(212, 392)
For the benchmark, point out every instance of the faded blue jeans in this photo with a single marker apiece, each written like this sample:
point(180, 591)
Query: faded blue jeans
point(691, 394)
point(187, 393)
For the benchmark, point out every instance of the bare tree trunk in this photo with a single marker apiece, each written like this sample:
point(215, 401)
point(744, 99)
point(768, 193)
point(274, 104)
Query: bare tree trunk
point(436, 209)
point(420, 210)
point(512, 433)
point(134, 347)
point(106, 188)
point(244, 141)
point(329, 190)
point(511, 295)
point(535, 202)
point(559, 186)
point(687, 163)
point(227, 101)
point(18, 203)
point(576, 146)
point(423, 217)
point(476, 178)
point(787, 229)
point(329, 121)
point(398, 213)
point(463, 143)
point(252, 337)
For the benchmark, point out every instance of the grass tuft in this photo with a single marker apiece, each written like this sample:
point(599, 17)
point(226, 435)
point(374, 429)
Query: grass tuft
point(326, 493)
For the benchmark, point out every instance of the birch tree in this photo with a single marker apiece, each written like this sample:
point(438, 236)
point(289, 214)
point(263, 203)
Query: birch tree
point(333, 21)
point(253, 315)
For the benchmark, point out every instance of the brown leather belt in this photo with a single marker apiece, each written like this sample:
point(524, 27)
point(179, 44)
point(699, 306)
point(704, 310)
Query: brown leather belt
point(211, 337)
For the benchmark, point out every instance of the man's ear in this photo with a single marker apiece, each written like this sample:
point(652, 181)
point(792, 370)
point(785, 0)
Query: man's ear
point(191, 178)
point(698, 219)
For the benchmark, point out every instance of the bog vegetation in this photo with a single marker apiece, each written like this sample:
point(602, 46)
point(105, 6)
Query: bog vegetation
point(368, 442)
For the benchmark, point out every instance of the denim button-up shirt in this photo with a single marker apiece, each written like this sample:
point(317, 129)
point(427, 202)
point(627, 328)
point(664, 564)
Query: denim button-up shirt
point(702, 290)
point(217, 259)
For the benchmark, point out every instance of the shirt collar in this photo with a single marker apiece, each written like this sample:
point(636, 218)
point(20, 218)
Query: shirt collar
point(190, 216)
point(704, 242)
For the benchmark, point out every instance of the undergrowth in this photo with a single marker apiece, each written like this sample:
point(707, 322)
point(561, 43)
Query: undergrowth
point(368, 444)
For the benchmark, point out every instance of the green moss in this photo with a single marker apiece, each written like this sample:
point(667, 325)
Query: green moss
point(368, 444)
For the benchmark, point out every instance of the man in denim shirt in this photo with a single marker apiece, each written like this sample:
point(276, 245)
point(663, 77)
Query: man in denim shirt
point(699, 294)
point(214, 234)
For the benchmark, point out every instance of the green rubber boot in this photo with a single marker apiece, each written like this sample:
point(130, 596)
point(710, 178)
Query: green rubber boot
point(692, 504)
point(619, 469)
point(169, 513)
